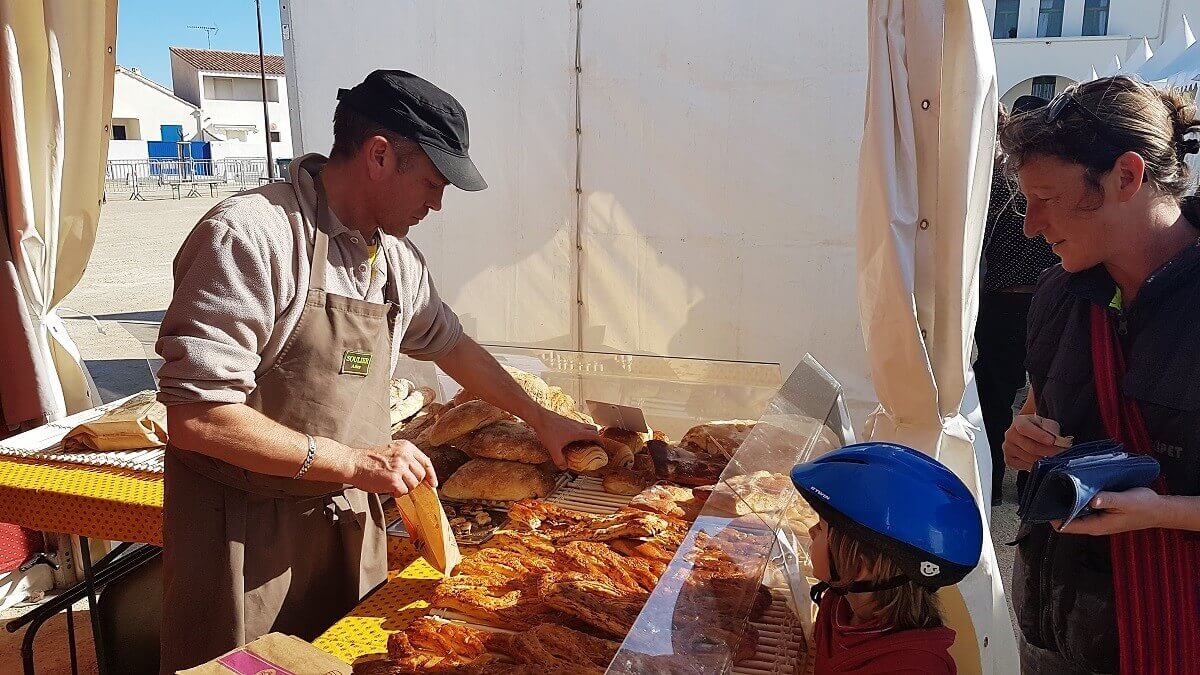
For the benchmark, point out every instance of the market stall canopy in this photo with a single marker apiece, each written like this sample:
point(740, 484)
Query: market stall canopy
point(56, 84)
point(1183, 70)
point(1140, 56)
point(1159, 65)
point(924, 176)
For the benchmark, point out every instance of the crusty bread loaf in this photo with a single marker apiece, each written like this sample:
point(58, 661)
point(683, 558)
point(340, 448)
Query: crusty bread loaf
point(413, 402)
point(420, 423)
point(497, 480)
point(446, 460)
point(585, 456)
point(720, 438)
point(463, 419)
point(508, 440)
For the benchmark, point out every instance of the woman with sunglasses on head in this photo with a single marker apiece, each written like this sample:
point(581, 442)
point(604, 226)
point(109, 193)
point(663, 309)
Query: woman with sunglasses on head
point(1113, 351)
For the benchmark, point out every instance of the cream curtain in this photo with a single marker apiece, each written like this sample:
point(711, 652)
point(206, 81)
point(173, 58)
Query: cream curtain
point(57, 59)
point(924, 175)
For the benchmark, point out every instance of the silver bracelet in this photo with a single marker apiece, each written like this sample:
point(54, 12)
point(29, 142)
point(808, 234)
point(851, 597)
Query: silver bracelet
point(312, 454)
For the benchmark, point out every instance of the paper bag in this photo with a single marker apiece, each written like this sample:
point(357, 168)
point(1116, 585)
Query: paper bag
point(139, 423)
point(429, 528)
point(273, 653)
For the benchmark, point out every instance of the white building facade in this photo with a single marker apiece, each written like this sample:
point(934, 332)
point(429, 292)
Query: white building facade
point(226, 87)
point(1042, 46)
point(144, 110)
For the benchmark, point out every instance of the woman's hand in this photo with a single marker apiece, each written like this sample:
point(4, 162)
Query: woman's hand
point(1029, 439)
point(1135, 509)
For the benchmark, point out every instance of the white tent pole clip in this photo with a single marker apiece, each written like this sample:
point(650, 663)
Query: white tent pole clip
point(82, 315)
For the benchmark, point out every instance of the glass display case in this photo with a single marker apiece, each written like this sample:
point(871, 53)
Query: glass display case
point(735, 596)
point(673, 393)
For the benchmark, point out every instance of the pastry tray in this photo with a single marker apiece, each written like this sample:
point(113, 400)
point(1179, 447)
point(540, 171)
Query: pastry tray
point(782, 647)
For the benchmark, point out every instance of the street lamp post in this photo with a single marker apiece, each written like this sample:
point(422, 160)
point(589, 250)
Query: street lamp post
point(262, 73)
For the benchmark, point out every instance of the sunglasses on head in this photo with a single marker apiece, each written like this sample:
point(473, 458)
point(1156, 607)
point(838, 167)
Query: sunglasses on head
point(1065, 102)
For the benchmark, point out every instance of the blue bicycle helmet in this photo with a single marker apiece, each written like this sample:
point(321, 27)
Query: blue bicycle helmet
point(902, 502)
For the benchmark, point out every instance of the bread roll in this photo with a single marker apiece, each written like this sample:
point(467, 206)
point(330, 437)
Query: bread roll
point(497, 480)
point(585, 456)
point(633, 440)
point(463, 419)
point(508, 440)
point(626, 482)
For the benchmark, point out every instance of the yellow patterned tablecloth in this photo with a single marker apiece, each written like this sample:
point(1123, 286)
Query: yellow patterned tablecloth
point(364, 631)
point(101, 503)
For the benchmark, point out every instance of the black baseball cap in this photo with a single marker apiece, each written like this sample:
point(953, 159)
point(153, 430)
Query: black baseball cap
point(418, 110)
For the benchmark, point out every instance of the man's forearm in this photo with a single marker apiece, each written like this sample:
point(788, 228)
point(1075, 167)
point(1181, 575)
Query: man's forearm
point(244, 437)
point(478, 372)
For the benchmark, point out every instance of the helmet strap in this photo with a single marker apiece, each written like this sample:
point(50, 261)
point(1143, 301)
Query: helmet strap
point(856, 587)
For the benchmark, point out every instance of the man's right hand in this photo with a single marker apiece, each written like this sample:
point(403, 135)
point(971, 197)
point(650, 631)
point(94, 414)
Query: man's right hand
point(1029, 439)
point(395, 468)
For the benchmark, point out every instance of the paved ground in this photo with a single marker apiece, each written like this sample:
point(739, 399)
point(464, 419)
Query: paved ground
point(127, 288)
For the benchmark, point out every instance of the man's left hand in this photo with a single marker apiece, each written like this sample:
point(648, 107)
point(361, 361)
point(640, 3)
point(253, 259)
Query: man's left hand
point(557, 432)
point(1135, 509)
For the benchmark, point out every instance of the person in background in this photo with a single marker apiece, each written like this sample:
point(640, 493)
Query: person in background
point(894, 526)
point(1113, 352)
point(1009, 269)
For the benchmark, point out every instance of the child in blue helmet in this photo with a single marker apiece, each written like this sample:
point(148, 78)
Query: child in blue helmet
point(895, 526)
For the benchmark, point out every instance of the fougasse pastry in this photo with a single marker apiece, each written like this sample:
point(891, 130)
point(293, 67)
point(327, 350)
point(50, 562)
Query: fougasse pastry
point(671, 501)
point(595, 602)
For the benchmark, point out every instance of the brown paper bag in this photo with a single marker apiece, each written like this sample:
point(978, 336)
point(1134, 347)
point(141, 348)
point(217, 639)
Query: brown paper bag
point(429, 528)
point(273, 653)
point(139, 423)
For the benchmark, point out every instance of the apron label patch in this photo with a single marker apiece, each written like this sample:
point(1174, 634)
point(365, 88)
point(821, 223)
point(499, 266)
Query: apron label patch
point(356, 363)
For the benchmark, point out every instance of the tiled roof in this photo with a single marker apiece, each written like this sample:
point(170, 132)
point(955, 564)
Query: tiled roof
point(229, 62)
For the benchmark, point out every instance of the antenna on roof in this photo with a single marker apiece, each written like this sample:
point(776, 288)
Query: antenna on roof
point(208, 32)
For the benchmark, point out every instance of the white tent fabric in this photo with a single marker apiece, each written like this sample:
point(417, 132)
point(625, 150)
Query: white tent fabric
point(1092, 76)
point(924, 177)
point(57, 61)
point(1114, 67)
point(1176, 43)
point(1183, 69)
point(1139, 57)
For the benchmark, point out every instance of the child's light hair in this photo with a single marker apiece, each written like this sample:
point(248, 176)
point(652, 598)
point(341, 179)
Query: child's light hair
point(909, 606)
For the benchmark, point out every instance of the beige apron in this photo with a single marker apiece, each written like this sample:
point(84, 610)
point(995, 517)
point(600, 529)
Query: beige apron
point(246, 554)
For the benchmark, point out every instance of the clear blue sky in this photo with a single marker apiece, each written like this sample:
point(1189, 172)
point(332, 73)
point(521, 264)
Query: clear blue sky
point(146, 28)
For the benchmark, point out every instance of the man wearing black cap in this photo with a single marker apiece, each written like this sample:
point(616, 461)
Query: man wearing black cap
point(292, 303)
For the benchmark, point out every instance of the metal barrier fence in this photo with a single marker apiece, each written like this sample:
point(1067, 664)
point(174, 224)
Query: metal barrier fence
point(138, 178)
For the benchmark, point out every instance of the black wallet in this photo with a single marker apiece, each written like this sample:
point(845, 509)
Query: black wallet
point(1061, 487)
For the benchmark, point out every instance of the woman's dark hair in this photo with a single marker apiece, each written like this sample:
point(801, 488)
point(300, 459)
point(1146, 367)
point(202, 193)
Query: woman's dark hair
point(1135, 116)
